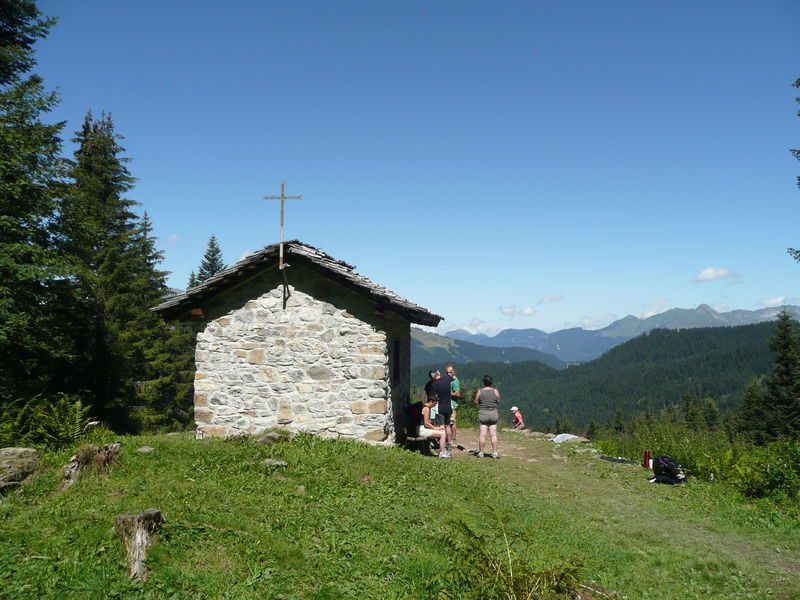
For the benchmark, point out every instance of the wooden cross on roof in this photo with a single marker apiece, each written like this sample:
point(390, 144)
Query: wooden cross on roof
point(282, 197)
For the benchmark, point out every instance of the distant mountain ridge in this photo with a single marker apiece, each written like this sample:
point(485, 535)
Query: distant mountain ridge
point(581, 345)
point(432, 349)
point(647, 373)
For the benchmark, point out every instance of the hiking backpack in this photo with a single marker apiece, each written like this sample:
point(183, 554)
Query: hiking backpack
point(666, 470)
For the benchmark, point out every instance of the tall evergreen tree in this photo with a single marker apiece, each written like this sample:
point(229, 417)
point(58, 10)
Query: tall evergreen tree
point(753, 418)
point(114, 279)
point(161, 355)
point(125, 355)
point(192, 280)
point(783, 387)
point(30, 173)
point(212, 261)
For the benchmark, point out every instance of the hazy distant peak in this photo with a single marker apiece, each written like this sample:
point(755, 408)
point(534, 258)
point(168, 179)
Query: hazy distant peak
point(579, 345)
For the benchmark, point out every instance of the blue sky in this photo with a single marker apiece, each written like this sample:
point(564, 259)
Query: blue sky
point(530, 164)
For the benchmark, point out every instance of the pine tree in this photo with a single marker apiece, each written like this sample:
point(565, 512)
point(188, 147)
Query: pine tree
point(212, 261)
point(114, 278)
point(192, 280)
point(753, 418)
point(30, 173)
point(161, 356)
point(711, 414)
point(96, 227)
point(783, 386)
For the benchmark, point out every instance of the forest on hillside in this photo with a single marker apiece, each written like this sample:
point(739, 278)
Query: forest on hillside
point(645, 374)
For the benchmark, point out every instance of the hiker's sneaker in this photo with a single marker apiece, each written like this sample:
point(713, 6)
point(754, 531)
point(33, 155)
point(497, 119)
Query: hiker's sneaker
point(495, 455)
point(448, 447)
point(445, 454)
point(479, 455)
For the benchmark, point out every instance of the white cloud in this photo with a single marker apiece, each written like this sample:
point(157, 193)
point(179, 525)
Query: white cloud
point(550, 299)
point(512, 311)
point(712, 273)
point(655, 307)
point(171, 239)
point(509, 311)
point(244, 255)
point(589, 322)
point(776, 301)
point(475, 325)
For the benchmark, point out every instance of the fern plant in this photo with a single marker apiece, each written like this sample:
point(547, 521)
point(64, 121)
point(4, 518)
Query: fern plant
point(53, 422)
point(62, 422)
point(491, 568)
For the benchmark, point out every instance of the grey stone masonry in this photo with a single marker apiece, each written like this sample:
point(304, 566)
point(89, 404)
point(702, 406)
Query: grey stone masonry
point(308, 367)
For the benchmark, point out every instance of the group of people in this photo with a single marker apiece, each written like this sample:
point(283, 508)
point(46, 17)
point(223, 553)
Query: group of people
point(442, 395)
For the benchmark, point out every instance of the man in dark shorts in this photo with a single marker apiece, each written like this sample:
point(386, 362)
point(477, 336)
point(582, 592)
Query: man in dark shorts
point(441, 389)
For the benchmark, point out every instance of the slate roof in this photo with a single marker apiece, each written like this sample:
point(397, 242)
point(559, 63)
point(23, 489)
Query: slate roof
point(295, 252)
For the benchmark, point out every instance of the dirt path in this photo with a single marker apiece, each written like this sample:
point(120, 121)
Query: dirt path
point(614, 500)
point(511, 445)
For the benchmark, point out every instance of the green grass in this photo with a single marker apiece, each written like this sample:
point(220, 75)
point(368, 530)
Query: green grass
point(372, 522)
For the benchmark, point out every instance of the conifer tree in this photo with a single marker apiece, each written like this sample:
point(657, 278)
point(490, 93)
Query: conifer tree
point(212, 261)
point(192, 280)
point(30, 172)
point(162, 354)
point(783, 386)
point(114, 278)
point(753, 418)
point(96, 227)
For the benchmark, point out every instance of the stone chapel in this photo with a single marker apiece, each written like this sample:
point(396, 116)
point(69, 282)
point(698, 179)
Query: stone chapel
point(311, 347)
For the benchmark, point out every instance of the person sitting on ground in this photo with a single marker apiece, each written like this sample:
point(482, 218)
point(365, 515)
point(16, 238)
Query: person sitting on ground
point(429, 429)
point(517, 423)
point(487, 399)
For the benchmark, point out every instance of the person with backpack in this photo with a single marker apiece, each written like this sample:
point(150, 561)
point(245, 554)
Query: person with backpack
point(487, 399)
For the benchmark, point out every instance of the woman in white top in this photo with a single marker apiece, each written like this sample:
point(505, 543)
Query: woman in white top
point(428, 429)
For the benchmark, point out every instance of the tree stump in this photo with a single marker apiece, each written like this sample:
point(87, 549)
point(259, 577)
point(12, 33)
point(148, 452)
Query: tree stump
point(98, 456)
point(136, 530)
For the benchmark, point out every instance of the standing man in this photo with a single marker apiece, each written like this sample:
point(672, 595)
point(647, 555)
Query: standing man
point(455, 395)
point(433, 375)
point(441, 389)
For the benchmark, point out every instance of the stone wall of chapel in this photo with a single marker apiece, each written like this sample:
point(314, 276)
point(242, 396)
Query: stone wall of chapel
point(311, 366)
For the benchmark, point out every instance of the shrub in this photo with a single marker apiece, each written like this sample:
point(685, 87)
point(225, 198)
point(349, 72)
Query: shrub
point(771, 471)
point(705, 453)
point(467, 414)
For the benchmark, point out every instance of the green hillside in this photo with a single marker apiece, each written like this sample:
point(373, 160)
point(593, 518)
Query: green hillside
point(648, 372)
point(349, 520)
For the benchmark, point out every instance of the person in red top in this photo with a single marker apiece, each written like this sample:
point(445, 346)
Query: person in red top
point(517, 424)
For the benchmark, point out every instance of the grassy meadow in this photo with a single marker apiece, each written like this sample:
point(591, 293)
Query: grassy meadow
point(348, 520)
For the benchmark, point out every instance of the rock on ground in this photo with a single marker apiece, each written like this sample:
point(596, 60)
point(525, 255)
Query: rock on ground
point(15, 465)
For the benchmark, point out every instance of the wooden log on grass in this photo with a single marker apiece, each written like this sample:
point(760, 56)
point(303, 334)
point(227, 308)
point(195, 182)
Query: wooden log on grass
point(137, 530)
